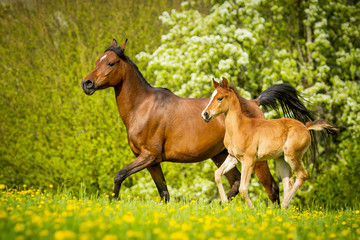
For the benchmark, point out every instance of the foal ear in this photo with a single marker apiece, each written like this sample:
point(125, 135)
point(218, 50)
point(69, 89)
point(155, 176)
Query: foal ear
point(123, 45)
point(215, 83)
point(224, 83)
point(114, 43)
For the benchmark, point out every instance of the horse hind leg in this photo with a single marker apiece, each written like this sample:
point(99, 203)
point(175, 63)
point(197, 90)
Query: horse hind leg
point(158, 177)
point(300, 174)
point(262, 171)
point(283, 170)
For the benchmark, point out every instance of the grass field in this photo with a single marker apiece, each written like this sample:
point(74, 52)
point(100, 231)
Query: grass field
point(48, 214)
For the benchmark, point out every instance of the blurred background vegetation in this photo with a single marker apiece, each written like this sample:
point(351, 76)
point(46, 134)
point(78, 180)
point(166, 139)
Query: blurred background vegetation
point(52, 133)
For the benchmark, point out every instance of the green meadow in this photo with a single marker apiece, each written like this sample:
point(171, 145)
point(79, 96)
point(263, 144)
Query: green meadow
point(48, 214)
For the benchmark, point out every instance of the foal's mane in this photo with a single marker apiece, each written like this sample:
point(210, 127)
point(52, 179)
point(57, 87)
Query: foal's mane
point(243, 102)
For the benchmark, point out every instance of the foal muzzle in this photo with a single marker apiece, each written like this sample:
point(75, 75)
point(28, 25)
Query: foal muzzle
point(206, 116)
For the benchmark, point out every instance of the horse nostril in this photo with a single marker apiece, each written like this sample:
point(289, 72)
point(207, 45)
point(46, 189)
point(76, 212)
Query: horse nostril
point(206, 115)
point(89, 84)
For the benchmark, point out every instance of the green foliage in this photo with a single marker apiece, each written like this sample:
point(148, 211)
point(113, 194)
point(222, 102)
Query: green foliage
point(50, 131)
point(313, 45)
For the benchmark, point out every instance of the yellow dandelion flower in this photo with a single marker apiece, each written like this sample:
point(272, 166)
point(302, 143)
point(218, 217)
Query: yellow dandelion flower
point(185, 227)
point(3, 214)
point(157, 231)
point(184, 207)
point(84, 236)
point(357, 211)
point(19, 227)
point(110, 237)
point(134, 234)
point(269, 212)
point(346, 232)
point(332, 235)
point(64, 234)
point(128, 217)
point(24, 186)
point(290, 236)
point(44, 233)
point(2, 186)
point(180, 235)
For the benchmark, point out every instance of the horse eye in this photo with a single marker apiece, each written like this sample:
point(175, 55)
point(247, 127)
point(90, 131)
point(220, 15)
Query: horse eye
point(220, 98)
point(110, 64)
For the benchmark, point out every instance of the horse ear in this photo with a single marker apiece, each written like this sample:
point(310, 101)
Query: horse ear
point(224, 83)
point(215, 83)
point(114, 43)
point(123, 45)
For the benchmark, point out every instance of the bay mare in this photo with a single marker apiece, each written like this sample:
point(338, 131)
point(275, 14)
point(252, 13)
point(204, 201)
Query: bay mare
point(164, 127)
point(251, 140)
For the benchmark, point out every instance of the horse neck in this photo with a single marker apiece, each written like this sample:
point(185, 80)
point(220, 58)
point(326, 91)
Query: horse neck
point(131, 93)
point(235, 115)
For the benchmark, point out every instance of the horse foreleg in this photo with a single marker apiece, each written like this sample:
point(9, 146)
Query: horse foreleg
point(158, 177)
point(144, 160)
point(262, 171)
point(247, 166)
point(228, 164)
point(233, 176)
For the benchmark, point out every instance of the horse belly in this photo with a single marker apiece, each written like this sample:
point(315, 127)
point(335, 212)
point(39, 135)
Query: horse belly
point(268, 151)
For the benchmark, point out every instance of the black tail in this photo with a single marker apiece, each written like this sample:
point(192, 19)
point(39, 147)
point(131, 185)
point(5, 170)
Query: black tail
point(288, 98)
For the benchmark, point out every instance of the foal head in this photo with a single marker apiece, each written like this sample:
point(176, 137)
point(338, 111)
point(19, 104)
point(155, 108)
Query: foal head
point(219, 101)
point(108, 71)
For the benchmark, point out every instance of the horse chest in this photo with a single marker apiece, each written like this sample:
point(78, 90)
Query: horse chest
point(235, 148)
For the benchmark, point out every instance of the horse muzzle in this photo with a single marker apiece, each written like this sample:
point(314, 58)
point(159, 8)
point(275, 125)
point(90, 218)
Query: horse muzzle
point(88, 86)
point(206, 116)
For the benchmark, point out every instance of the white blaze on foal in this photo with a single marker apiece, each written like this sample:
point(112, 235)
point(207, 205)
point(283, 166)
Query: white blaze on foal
point(212, 97)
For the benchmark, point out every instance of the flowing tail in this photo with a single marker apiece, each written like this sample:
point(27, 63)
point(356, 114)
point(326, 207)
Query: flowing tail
point(288, 98)
point(320, 125)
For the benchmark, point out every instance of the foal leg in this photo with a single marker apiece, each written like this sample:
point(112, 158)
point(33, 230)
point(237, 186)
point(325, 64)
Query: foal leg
point(247, 166)
point(158, 177)
point(228, 164)
point(300, 174)
point(233, 175)
point(284, 171)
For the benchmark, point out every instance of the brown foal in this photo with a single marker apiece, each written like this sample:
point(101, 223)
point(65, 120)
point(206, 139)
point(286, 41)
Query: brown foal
point(250, 140)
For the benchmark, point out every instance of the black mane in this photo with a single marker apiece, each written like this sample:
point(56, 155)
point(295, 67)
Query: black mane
point(122, 55)
point(118, 51)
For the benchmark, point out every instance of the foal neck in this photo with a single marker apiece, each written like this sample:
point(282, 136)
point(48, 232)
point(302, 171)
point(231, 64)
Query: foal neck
point(237, 107)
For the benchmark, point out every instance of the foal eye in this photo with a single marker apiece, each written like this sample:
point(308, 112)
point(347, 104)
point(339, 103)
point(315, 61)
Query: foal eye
point(111, 64)
point(220, 98)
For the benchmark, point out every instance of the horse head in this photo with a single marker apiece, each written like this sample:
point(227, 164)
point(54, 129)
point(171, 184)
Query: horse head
point(219, 100)
point(109, 69)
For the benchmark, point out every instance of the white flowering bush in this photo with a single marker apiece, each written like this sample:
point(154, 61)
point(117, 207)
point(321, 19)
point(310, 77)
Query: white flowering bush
point(314, 46)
